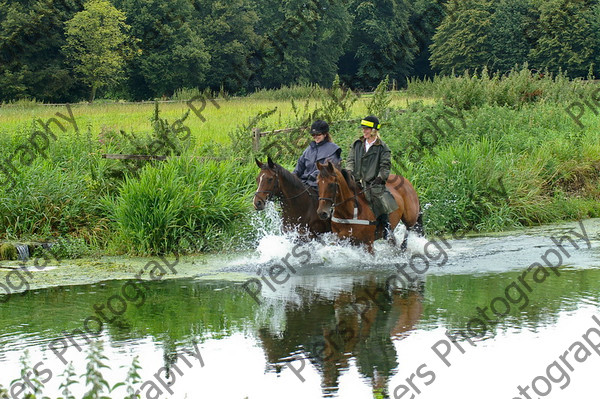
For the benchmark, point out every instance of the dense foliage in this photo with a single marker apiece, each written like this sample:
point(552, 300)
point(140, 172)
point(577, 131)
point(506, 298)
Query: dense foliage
point(243, 46)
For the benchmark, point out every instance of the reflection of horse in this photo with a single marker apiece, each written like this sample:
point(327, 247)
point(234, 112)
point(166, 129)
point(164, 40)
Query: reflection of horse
point(356, 326)
point(298, 202)
point(351, 216)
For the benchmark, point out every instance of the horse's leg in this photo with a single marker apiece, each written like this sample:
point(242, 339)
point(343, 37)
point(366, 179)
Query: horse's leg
point(404, 241)
point(418, 227)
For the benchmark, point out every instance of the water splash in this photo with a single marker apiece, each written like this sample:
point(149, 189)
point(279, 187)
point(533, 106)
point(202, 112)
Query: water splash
point(328, 251)
point(267, 221)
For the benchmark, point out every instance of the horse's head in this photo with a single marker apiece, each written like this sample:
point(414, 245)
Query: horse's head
point(328, 189)
point(268, 183)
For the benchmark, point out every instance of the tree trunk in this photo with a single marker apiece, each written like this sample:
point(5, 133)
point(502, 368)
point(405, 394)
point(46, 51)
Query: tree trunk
point(93, 93)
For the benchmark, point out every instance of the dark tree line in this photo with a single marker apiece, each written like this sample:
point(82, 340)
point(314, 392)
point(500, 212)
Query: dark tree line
point(243, 45)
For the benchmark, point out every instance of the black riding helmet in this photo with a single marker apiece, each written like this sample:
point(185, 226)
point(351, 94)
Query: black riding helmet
point(319, 127)
point(370, 121)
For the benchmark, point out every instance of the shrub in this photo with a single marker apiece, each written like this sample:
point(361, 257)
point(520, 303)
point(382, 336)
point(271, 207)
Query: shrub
point(69, 248)
point(48, 199)
point(518, 87)
point(181, 205)
point(8, 252)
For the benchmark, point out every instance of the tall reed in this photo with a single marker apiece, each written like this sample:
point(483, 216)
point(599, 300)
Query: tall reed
point(182, 205)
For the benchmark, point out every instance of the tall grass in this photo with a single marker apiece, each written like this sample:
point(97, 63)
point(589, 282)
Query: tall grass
point(503, 167)
point(180, 205)
point(518, 87)
point(52, 196)
point(286, 93)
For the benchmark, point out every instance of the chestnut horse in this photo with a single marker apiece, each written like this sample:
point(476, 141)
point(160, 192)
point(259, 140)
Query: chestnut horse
point(298, 202)
point(351, 216)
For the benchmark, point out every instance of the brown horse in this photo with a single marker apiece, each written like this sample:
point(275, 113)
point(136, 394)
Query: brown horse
point(351, 217)
point(298, 202)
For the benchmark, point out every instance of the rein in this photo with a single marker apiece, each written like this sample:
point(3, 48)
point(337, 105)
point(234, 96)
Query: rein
point(271, 194)
point(355, 219)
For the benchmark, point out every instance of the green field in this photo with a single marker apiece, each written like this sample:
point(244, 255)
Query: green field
point(230, 114)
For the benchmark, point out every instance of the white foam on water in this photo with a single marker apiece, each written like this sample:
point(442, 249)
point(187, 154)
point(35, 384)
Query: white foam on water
point(330, 253)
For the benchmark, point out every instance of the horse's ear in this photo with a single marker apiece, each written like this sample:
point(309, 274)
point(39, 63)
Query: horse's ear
point(330, 166)
point(260, 164)
point(320, 166)
point(270, 162)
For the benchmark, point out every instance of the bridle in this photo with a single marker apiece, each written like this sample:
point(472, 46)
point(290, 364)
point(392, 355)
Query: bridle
point(355, 220)
point(332, 200)
point(271, 194)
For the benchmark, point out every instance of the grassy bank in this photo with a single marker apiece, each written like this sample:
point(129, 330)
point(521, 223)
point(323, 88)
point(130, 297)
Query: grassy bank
point(489, 153)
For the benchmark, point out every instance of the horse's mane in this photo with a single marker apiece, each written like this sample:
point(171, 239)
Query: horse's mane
point(289, 177)
point(350, 180)
point(345, 173)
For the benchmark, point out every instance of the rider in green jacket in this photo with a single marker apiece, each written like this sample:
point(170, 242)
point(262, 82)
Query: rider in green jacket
point(369, 160)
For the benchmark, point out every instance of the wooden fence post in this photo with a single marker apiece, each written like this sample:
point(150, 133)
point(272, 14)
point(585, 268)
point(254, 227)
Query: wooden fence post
point(255, 139)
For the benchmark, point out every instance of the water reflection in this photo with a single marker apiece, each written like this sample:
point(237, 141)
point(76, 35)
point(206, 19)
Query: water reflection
point(339, 323)
point(356, 324)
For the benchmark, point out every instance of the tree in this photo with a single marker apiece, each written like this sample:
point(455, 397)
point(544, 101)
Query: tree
point(301, 42)
point(174, 53)
point(32, 64)
point(567, 36)
point(462, 40)
point(96, 42)
point(229, 31)
point(426, 16)
point(381, 43)
point(509, 38)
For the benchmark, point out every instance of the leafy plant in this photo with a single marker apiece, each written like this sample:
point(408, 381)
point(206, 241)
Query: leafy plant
point(34, 386)
point(133, 378)
point(180, 202)
point(69, 379)
point(381, 99)
point(93, 375)
point(69, 248)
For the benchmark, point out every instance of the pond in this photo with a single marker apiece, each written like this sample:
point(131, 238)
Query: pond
point(477, 317)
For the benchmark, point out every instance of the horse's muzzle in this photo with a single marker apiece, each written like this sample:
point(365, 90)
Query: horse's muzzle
point(324, 215)
point(259, 204)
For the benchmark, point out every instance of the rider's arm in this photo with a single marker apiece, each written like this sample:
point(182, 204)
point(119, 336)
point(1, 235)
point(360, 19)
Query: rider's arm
point(350, 159)
point(336, 157)
point(300, 165)
point(385, 163)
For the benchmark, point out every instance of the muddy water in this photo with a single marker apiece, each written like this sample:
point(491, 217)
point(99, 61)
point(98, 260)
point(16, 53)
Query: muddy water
point(477, 317)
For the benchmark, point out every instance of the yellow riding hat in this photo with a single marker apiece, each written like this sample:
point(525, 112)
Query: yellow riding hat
point(371, 121)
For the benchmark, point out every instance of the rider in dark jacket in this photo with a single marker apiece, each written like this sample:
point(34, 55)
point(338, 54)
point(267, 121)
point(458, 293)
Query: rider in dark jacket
point(370, 162)
point(319, 150)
